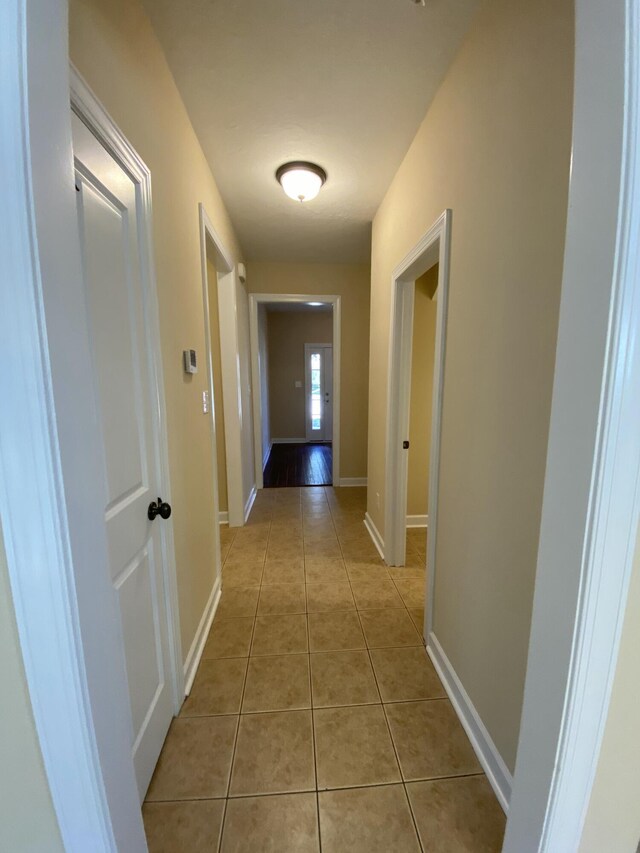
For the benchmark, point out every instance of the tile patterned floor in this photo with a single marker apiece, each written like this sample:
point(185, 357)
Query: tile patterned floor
point(316, 721)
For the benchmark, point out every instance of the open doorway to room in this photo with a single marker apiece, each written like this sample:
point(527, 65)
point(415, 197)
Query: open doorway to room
point(299, 394)
point(418, 335)
point(217, 401)
point(295, 361)
point(423, 339)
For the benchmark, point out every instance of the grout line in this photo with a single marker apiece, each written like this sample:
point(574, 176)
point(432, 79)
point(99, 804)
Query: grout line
point(311, 791)
point(313, 719)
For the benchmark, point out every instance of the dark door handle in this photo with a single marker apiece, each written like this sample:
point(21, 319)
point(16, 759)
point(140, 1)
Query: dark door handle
point(405, 446)
point(158, 508)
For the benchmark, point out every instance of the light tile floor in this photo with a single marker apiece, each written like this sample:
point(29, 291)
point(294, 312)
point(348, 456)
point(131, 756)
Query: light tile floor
point(316, 720)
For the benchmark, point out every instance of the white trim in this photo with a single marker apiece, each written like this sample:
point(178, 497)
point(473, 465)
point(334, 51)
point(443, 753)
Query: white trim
point(289, 441)
point(374, 533)
point(349, 482)
point(197, 646)
point(250, 502)
point(229, 364)
point(417, 521)
point(267, 454)
point(256, 299)
point(87, 107)
point(50, 458)
point(591, 492)
point(497, 771)
point(223, 517)
point(433, 247)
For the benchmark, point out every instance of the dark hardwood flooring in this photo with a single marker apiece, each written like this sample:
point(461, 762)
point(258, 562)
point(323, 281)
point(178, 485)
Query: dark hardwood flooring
point(298, 465)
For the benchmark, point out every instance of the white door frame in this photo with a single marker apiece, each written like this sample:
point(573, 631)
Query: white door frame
point(591, 497)
point(432, 248)
point(230, 368)
point(51, 489)
point(256, 299)
point(50, 458)
point(308, 348)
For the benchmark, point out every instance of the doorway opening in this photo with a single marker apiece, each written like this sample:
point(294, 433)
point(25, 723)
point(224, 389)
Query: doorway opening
point(220, 401)
point(418, 336)
point(295, 356)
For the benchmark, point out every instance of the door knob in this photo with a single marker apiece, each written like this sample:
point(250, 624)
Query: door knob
point(158, 508)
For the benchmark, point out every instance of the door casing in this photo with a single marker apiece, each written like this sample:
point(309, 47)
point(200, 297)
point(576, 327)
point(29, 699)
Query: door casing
point(256, 299)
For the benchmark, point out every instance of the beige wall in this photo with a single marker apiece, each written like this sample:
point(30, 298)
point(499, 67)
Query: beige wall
point(422, 360)
point(115, 49)
point(352, 283)
point(27, 818)
point(613, 816)
point(214, 327)
point(288, 332)
point(494, 147)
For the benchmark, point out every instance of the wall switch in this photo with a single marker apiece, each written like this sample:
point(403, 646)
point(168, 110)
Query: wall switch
point(298, 383)
point(205, 402)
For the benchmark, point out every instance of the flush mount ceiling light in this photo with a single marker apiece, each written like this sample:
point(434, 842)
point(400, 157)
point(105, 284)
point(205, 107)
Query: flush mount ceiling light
point(300, 180)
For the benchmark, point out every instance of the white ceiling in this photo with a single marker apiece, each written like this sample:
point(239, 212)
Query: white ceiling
point(344, 83)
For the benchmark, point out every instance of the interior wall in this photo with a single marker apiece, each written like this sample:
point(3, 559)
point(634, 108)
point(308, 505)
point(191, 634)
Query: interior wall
point(263, 359)
point(352, 283)
point(422, 362)
point(216, 361)
point(288, 332)
point(114, 47)
point(27, 818)
point(495, 148)
point(613, 818)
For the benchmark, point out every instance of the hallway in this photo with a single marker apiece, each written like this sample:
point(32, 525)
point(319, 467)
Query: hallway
point(299, 465)
point(316, 721)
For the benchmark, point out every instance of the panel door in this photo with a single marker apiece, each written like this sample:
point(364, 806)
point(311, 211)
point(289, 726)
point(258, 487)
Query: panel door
point(116, 287)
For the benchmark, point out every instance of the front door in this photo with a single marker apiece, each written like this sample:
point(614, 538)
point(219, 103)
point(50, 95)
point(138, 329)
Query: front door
point(319, 391)
point(117, 284)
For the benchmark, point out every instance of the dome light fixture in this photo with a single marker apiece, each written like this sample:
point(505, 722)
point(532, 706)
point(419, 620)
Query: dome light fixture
point(300, 180)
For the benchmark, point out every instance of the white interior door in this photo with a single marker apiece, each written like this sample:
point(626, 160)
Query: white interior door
point(110, 217)
point(319, 391)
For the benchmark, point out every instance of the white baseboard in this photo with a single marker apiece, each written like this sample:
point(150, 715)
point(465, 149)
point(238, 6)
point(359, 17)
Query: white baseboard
point(249, 503)
point(374, 533)
point(265, 455)
point(497, 771)
point(302, 440)
point(197, 646)
point(417, 521)
point(223, 517)
point(353, 481)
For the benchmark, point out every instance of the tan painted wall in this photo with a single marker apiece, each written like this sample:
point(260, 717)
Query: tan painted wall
point(115, 49)
point(494, 146)
point(288, 332)
point(613, 817)
point(352, 282)
point(422, 359)
point(27, 818)
point(214, 327)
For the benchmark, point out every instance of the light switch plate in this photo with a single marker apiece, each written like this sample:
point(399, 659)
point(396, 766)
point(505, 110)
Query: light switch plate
point(298, 383)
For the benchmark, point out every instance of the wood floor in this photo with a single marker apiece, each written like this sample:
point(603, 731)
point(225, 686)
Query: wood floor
point(299, 465)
